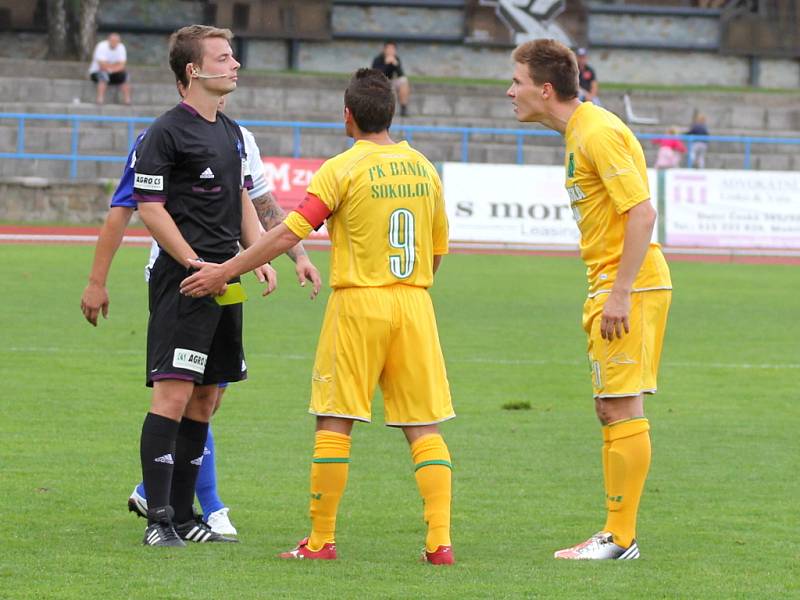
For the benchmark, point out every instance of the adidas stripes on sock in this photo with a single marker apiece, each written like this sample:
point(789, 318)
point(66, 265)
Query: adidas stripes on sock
point(329, 470)
point(189, 447)
point(157, 453)
point(433, 470)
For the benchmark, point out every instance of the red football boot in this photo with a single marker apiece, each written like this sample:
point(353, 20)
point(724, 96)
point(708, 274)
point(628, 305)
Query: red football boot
point(328, 552)
point(443, 555)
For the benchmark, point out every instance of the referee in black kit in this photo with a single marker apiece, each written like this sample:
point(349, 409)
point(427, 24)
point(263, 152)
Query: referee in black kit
point(190, 180)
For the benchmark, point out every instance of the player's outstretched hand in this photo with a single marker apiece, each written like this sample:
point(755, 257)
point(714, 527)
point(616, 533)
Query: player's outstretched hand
point(209, 280)
point(266, 274)
point(306, 271)
point(93, 301)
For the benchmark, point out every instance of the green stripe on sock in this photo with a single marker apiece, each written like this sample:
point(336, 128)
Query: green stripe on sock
point(331, 460)
point(428, 463)
point(621, 421)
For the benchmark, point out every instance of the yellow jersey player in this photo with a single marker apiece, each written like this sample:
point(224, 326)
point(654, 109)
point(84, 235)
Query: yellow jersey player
point(625, 314)
point(383, 207)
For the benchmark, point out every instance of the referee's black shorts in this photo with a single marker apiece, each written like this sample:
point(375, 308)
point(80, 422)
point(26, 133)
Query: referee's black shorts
point(193, 339)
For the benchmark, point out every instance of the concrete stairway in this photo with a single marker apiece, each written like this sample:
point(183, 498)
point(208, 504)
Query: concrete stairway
point(58, 88)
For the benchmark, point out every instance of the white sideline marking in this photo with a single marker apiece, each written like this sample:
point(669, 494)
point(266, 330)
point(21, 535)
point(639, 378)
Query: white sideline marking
point(467, 360)
point(132, 239)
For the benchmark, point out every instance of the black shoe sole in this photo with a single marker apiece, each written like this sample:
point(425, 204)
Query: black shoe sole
point(134, 508)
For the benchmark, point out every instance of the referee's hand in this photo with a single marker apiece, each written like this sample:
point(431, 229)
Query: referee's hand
point(208, 280)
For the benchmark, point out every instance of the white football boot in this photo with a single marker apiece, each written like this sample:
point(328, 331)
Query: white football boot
point(600, 546)
point(220, 522)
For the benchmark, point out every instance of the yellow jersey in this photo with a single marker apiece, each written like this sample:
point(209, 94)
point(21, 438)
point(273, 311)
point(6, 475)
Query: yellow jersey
point(385, 215)
point(606, 177)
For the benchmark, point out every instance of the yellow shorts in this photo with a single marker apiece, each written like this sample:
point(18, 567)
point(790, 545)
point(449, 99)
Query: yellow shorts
point(627, 366)
point(386, 336)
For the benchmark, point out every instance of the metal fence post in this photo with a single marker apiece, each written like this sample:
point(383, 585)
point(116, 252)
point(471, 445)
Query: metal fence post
point(73, 168)
point(661, 204)
point(296, 149)
point(21, 136)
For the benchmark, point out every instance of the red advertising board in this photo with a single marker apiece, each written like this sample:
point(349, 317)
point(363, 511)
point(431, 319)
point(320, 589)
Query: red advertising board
point(290, 177)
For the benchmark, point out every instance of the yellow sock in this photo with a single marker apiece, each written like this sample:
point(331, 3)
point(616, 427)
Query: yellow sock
point(628, 463)
point(606, 446)
point(329, 469)
point(432, 470)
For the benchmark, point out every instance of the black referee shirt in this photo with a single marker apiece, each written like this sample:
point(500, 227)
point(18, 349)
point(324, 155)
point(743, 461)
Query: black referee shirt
point(197, 169)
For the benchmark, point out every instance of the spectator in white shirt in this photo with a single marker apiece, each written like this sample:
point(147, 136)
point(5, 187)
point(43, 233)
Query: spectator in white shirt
point(108, 68)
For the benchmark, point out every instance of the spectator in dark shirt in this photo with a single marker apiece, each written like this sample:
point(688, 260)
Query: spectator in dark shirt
point(697, 149)
point(388, 62)
point(587, 78)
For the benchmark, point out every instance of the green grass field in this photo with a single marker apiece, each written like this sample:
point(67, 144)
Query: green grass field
point(719, 518)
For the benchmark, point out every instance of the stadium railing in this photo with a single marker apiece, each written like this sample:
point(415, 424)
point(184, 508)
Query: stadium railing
point(134, 124)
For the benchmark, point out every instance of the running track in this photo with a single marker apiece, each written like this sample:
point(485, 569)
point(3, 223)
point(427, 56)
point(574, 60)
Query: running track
point(34, 234)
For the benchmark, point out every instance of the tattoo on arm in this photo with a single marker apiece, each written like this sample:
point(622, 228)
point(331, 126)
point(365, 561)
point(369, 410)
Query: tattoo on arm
point(270, 214)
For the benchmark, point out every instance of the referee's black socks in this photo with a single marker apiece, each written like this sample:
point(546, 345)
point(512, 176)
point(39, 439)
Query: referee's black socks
point(189, 448)
point(157, 452)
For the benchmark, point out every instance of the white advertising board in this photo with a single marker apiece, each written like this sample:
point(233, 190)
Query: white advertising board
point(508, 204)
point(732, 209)
point(511, 204)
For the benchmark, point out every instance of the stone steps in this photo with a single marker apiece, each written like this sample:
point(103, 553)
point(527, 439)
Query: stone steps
point(281, 97)
point(305, 98)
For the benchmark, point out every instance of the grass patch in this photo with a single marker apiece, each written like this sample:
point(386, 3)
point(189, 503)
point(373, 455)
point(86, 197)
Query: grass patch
point(517, 406)
point(718, 519)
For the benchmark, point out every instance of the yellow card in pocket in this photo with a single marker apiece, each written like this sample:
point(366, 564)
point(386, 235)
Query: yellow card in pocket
point(234, 294)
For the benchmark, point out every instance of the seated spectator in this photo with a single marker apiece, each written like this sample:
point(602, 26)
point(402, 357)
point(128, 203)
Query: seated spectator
point(108, 68)
point(670, 151)
point(587, 78)
point(388, 62)
point(697, 149)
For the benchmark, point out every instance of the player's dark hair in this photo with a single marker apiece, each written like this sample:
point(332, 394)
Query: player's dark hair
point(185, 46)
point(370, 98)
point(549, 61)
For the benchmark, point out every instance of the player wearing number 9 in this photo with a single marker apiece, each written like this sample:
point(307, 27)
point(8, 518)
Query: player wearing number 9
point(383, 207)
